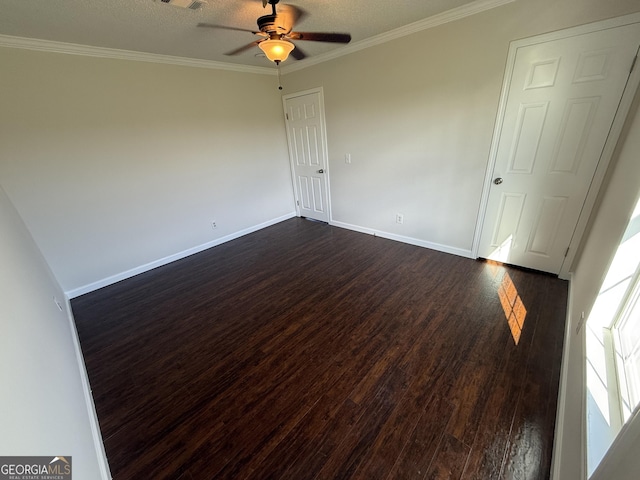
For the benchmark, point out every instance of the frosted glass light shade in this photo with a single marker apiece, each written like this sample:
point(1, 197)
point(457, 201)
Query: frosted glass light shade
point(276, 50)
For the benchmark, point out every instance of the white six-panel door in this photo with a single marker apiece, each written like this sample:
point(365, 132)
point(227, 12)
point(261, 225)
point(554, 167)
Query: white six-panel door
point(307, 150)
point(562, 99)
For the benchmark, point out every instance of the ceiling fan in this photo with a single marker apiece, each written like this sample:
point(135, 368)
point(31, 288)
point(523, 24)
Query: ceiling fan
point(277, 33)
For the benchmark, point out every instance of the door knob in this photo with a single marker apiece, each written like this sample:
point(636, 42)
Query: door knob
point(498, 181)
point(321, 171)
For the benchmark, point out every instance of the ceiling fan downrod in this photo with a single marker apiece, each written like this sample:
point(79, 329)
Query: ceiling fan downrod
point(272, 3)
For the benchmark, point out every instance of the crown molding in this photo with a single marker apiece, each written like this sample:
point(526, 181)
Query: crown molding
point(76, 49)
point(89, 51)
point(429, 22)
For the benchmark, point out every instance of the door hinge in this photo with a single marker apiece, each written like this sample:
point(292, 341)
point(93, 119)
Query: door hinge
point(633, 64)
point(566, 252)
point(286, 116)
point(298, 202)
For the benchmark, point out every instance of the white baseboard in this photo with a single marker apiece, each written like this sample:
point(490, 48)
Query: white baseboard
point(76, 292)
point(101, 454)
point(410, 240)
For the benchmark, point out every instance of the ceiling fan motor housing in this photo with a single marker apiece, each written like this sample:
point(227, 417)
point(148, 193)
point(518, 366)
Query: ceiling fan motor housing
point(269, 24)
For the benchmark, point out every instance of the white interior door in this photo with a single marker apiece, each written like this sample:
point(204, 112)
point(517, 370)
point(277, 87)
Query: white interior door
point(561, 101)
point(307, 149)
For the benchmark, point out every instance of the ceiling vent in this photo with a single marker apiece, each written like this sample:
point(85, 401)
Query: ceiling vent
point(190, 4)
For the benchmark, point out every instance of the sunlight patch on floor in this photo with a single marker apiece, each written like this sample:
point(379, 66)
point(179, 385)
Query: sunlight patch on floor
point(512, 305)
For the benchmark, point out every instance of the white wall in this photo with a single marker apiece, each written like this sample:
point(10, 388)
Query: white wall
point(114, 164)
point(617, 201)
point(417, 116)
point(42, 406)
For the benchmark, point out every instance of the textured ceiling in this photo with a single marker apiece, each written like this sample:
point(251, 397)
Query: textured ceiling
point(153, 27)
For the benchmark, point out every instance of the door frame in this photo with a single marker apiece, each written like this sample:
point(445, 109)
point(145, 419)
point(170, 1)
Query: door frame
point(607, 153)
point(323, 125)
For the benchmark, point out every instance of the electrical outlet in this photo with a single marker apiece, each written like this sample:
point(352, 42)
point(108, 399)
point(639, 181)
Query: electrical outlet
point(58, 304)
point(399, 218)
point(347, 158)
point(213, 225)
point(580, 323)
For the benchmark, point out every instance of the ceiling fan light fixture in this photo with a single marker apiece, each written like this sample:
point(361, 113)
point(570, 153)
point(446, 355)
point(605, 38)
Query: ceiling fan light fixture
point(276, 50)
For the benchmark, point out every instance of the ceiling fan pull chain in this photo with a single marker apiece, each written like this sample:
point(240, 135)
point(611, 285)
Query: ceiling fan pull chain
point(279, 83)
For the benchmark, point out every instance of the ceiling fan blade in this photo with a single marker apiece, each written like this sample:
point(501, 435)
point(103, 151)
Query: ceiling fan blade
point(321, 37)
point(290, 15)
point(243, 48)
point(224, 27)
point(298, 54)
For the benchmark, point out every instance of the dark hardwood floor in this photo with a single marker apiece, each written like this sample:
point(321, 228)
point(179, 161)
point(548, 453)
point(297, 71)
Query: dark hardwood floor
point(305, 351)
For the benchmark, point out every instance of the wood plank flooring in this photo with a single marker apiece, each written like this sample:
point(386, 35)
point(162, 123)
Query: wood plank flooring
point(305, 351)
